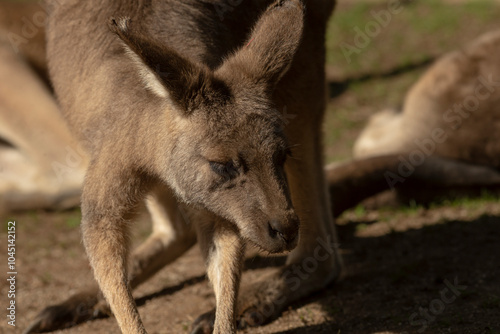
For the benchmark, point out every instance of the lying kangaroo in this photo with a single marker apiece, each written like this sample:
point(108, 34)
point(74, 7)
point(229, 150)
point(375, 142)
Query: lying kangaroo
point(41, 164)
point(446, 138)
point(452, 111)
point(176, 104)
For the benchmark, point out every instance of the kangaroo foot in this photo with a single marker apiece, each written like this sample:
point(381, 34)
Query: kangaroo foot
point(77, 309)
point(264, 300)
point(204, 324)
point(259, 303)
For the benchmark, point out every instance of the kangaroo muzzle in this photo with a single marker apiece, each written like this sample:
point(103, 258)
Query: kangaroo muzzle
point(284, 233)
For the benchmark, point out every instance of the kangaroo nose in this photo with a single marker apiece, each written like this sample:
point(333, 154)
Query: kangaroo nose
point(287, 230)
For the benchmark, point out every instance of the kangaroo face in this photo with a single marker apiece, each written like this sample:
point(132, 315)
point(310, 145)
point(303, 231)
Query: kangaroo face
point(226, 149)
point(233, 165)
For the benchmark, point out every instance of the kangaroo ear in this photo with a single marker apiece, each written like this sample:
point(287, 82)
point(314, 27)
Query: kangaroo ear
point(271, 47)
point(163, 71)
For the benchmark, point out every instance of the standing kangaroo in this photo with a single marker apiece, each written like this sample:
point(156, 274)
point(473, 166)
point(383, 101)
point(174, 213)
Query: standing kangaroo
point(20, 146)
point(177, 102)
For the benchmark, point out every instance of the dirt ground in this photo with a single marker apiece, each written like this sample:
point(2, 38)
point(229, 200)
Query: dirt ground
point(407, 270)
point(396, 267)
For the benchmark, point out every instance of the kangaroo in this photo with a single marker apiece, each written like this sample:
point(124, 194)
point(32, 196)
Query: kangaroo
point(35, 143)
point(178, 106)
point(378, 152)
point(447, 136)
point(452, 111)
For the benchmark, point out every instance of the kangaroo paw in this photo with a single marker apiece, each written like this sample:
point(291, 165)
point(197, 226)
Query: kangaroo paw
point(264, 300)
point(77, 309)
point(257, 308)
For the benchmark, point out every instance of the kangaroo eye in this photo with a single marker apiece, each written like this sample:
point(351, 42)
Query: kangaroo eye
point(225, 169)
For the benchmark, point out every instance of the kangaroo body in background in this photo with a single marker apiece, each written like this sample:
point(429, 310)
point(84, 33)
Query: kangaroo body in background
point(173, 101)
point(41, 164)
point(444, 142)
point(452, 111)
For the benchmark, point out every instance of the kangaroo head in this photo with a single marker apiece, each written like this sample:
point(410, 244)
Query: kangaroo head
point(224, 146)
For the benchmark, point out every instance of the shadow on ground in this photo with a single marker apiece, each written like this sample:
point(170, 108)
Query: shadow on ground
point(337, 87)
point(441, 278)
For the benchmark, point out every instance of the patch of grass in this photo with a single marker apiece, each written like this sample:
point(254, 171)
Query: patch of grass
point(412, 208)
point(340, 29)
point(482, 10)
point(186, 326)
point(360, 211)
point(470, 202)
point(303, 317)
point(407, 32)
point(73, 221)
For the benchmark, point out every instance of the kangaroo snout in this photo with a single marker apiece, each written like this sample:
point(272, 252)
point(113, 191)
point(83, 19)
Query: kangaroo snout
point(284, 233)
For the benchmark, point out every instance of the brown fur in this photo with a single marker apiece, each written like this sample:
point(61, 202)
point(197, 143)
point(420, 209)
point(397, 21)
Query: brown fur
point(22, 26)
point(436, 142)
point(431, 104)
point(170, 101)
point(41, 165)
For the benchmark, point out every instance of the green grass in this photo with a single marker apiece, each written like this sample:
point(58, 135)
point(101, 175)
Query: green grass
point(406, 34)
point(359, 211)
point(471, 202)
point(74, 221)
point(389, 215)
